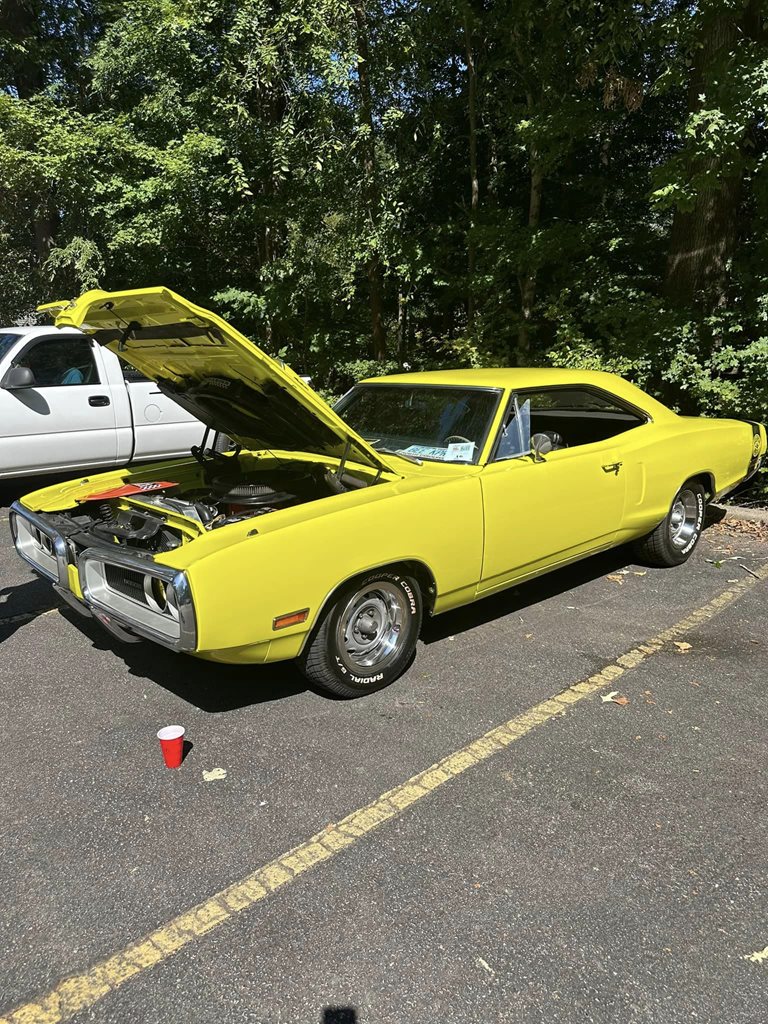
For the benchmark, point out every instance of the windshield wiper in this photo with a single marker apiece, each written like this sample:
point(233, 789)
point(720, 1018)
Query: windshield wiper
point(402, 455)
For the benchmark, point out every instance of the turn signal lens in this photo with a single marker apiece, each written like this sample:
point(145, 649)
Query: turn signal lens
point(292, 619)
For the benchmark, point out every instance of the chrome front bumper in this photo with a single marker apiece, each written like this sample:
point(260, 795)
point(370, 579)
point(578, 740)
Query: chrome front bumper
point(39, 545)
point(128, 592)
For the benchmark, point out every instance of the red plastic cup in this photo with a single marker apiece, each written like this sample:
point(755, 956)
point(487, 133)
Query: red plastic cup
point(172, 744)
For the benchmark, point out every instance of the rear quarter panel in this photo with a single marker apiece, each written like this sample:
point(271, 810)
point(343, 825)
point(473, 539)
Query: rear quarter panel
point(660, 456)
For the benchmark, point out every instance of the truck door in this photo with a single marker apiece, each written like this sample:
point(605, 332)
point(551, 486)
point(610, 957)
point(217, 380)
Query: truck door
point(62, 417)
point(161, 427)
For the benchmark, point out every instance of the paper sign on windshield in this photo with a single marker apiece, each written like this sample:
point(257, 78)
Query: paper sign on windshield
point(460, 452)
point(425, 451)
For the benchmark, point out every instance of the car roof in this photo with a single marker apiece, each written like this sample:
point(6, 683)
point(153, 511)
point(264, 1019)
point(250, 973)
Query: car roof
point(501, 377)
point(517, 378)
point(34, 332)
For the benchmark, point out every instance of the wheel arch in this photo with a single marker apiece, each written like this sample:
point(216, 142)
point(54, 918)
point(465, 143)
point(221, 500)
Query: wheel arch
point(707, 481)
point(415, 567)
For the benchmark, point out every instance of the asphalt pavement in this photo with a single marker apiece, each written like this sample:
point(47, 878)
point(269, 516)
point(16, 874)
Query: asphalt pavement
point(607, 864)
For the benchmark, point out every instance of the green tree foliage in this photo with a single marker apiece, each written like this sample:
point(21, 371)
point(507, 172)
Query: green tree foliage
point(452, 183)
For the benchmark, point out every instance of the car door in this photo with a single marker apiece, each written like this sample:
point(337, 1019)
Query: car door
point(161, 426)
point(65, 418)
point(541, 512)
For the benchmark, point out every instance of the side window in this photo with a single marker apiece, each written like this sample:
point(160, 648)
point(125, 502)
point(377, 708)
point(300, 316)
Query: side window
point(569, 417)
point(64, 361)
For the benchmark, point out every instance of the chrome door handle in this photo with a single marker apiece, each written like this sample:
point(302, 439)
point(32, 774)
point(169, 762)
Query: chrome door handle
point(613, 467)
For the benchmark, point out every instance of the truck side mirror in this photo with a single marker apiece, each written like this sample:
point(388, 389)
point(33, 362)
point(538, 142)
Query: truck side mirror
point(18, 377)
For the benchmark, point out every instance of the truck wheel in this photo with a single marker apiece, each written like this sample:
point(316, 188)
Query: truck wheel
point(367, 637)
point(673, 540)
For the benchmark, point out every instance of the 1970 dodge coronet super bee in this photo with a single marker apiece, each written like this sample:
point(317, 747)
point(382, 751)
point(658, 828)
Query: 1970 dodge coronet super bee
point(326, 534)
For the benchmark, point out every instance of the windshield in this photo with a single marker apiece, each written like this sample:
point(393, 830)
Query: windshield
point(442, 424)
point(6, 342)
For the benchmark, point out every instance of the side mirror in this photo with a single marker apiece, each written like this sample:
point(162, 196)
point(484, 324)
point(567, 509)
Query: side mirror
point(18, 377)
point(541, 445)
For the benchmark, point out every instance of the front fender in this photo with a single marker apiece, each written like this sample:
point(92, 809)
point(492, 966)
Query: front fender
point(240, 589)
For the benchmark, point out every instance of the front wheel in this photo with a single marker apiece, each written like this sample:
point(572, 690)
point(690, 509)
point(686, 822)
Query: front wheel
point(673, 540)
point(367, 637)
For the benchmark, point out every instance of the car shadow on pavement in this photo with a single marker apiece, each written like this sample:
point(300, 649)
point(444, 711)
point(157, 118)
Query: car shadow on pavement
point(217, 688)
point(524, 595)
point(22, 604)
point(208, 685)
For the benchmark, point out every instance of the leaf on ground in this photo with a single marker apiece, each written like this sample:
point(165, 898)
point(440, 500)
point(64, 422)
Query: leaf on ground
point(615, 577)
point(215, 774)
point(683, 646)
point(623, 701)
point(606, 697)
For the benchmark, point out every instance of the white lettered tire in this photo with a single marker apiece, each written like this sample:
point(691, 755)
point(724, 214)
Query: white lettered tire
point(367, 636)
point(674, 539)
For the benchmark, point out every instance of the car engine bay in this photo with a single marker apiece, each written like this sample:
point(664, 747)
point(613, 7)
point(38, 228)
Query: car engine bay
point(156, 517)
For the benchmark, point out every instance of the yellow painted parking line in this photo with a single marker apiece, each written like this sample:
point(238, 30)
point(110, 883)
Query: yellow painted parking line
point(81, 991)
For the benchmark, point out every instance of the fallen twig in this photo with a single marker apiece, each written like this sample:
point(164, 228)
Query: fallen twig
point(747, 569)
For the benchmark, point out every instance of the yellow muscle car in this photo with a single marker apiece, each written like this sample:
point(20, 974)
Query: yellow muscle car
point(325, 534)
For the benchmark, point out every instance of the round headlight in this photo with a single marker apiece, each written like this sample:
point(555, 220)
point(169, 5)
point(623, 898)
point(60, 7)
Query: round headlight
point(170, 599)
point(156, 593)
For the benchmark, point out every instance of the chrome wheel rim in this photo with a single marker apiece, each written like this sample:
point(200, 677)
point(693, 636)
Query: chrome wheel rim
point(683, 519)
point(370, 626)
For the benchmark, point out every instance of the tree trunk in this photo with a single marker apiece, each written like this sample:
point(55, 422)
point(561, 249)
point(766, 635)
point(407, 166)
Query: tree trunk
point(473, 176)
point(527, 281)
point(402, 327)
point(375, 270)
point(45, 225)
point(703, 238)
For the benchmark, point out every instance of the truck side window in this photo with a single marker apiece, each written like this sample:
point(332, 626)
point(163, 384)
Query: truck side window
point(58, 362)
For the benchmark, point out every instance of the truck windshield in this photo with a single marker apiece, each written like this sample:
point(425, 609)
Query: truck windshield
point(442, 424)
point(7, 340)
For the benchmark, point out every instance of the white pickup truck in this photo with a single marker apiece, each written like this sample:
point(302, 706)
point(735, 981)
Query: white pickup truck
point(66, 403)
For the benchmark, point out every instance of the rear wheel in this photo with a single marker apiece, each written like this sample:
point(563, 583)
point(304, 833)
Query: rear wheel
point(367, 637)
point(673, 540)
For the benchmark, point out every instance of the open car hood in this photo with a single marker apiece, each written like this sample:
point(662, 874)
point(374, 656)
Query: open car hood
point(214, 372)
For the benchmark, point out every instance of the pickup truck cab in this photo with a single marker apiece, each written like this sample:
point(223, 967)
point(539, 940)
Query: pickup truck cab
point(68, 403)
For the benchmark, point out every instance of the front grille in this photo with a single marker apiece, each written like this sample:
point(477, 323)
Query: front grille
point(125, 582)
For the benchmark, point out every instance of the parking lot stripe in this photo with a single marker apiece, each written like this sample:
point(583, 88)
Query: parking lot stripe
point(78, 993)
